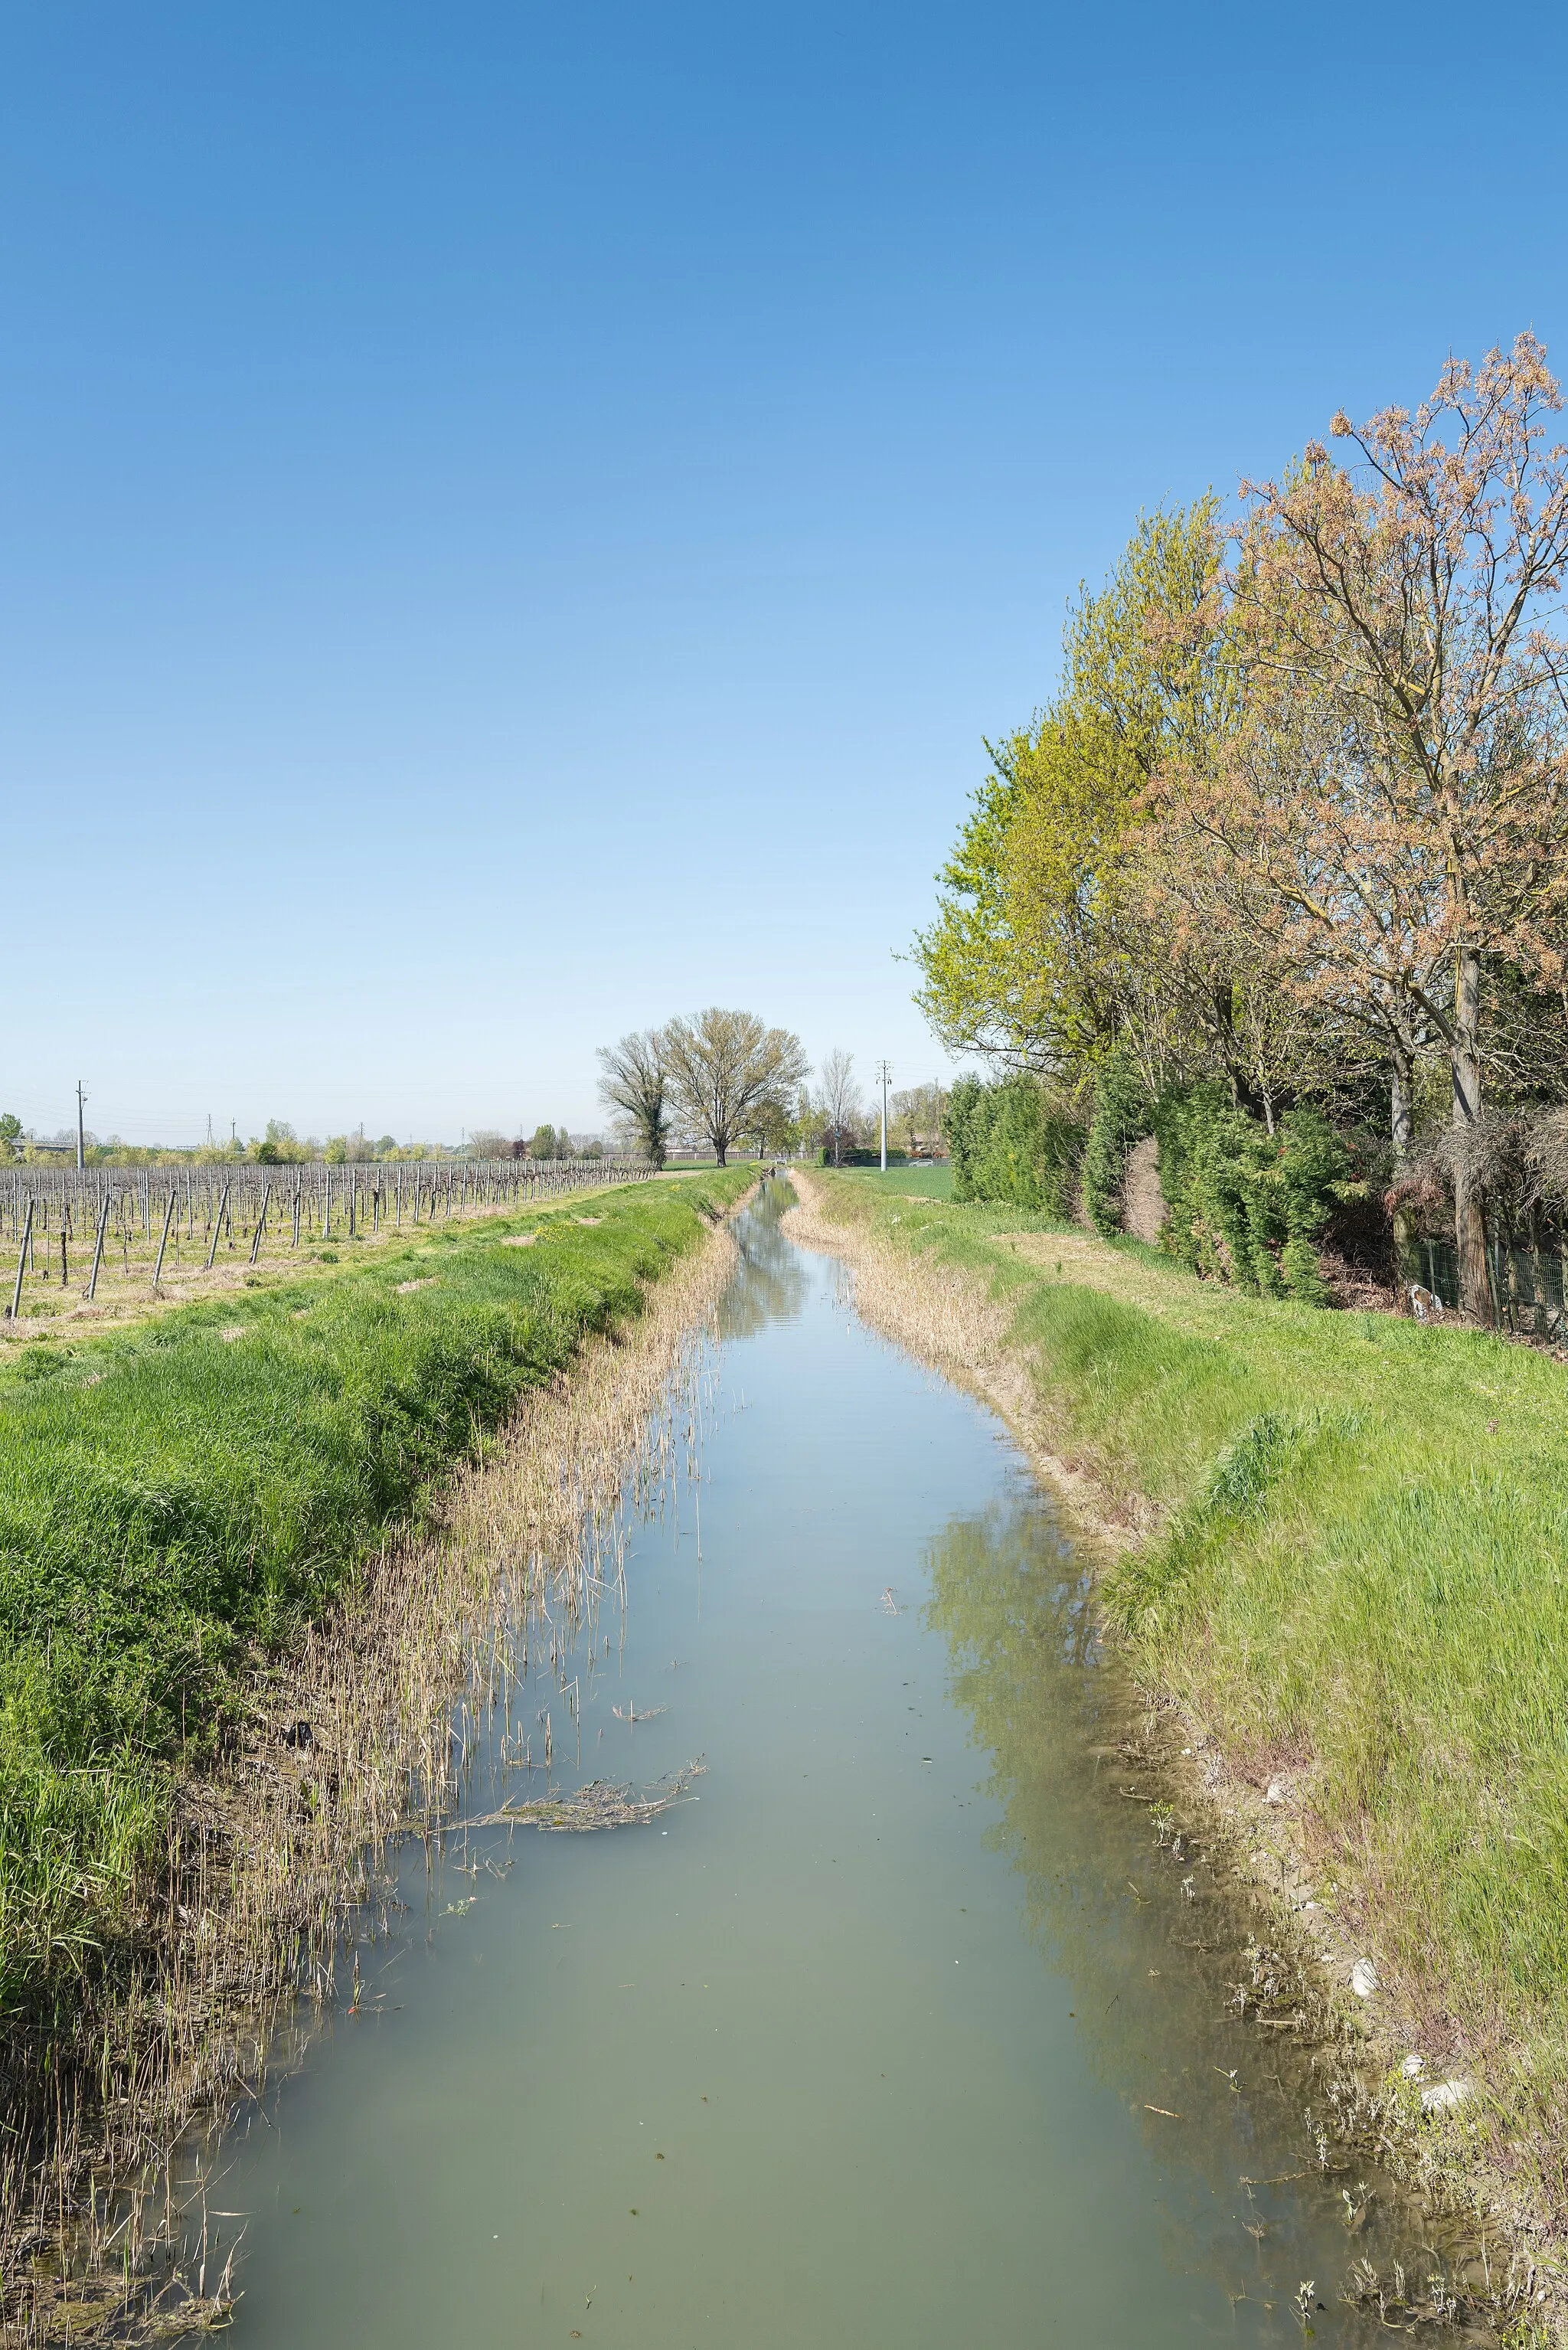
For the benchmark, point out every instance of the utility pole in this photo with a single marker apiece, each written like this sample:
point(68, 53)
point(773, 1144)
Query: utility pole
point(81, 1129)
point(883, 1072)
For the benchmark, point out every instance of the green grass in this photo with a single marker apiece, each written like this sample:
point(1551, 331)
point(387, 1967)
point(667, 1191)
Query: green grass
point(934, 1182)
point(1361, 1573)
point(176, 1504)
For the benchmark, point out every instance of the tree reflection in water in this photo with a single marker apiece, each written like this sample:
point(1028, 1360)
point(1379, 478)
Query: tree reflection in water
point(1154, 1942)
point(772, 1282)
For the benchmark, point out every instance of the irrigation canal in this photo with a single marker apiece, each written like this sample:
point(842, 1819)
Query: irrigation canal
point(899, 2032)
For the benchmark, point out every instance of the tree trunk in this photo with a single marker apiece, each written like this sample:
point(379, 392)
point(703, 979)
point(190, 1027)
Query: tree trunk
point(1469, 1207)
point(718, 1152)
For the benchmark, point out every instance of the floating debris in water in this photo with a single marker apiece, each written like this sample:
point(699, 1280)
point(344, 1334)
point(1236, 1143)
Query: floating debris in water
point(602, 1804)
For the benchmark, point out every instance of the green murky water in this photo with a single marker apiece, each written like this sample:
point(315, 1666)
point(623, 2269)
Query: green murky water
point(863, 2046)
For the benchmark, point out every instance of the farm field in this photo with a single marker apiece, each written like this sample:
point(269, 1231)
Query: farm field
point(113, 1245)
point(1336, 1538)
point(931, 1182)
point(180, 1500)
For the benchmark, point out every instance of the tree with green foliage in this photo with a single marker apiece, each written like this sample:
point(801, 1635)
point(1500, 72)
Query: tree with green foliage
point(1035, 958)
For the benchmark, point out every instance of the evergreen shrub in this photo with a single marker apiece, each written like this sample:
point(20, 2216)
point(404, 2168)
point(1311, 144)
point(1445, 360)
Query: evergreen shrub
point(1246, 1205)
point(1012, 1144)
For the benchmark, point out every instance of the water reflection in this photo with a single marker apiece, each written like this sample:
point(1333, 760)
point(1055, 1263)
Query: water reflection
point(773, 1280)
point(1152, 1933)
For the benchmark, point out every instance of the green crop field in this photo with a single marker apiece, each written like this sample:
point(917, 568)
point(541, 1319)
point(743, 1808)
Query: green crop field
point(932, 1180)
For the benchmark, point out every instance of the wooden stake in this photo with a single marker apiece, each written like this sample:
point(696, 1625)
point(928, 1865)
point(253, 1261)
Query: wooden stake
point(218, 1226)
point(261, 1219)
point(98, 1252)
point(21, 1263)
point(168, 1220)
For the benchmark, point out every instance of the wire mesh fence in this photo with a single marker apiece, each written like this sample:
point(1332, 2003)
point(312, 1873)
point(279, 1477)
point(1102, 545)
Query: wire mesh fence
point(1527, 1283)
point(83, 1236)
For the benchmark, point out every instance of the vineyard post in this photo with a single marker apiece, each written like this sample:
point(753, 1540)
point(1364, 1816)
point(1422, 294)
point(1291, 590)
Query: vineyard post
point(326, 1206)
point(168, 1220)
point(400, 1196)
point(261, 1219)
point(102, 1228)
point(218, 1226)
point(21, 1263)
point(353, 1199)
point(298, 1189)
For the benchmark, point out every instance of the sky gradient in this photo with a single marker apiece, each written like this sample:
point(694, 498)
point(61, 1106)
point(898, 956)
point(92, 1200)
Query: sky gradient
point(517, 520)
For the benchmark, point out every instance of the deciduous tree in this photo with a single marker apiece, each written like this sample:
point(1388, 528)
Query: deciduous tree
point(636, 1083)
point(725, 1067)
point(1402, 788)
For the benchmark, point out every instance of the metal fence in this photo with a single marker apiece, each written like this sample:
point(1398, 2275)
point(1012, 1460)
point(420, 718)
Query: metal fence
point(1527, 1283)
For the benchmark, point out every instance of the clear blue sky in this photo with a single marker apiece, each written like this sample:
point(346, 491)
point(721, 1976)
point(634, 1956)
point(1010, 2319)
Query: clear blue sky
point(516, 519)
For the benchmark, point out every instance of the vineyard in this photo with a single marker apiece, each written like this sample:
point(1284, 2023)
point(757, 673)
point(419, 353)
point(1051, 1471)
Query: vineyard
point(110, 1237)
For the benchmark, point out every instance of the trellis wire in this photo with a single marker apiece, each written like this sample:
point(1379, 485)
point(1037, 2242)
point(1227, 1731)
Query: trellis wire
point(104, 1207)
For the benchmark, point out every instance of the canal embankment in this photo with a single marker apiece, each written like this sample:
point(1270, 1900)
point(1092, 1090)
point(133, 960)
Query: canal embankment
point(1331, 1546)
point(248, 1554)
point(912, 2017)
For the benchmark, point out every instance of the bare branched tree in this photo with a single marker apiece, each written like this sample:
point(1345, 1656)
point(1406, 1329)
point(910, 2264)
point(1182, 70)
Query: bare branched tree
point(636, 1082)
point(840, 1101)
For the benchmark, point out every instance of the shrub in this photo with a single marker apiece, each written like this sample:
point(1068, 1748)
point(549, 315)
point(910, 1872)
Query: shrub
point(1011, 1143)
point(1246, 1205)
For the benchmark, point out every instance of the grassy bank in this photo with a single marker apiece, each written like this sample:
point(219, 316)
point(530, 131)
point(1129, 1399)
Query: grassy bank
point(179, 1501)
point(1350, 1568)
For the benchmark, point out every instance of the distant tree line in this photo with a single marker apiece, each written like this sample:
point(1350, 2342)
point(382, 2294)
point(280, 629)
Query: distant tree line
point(723, 1079)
